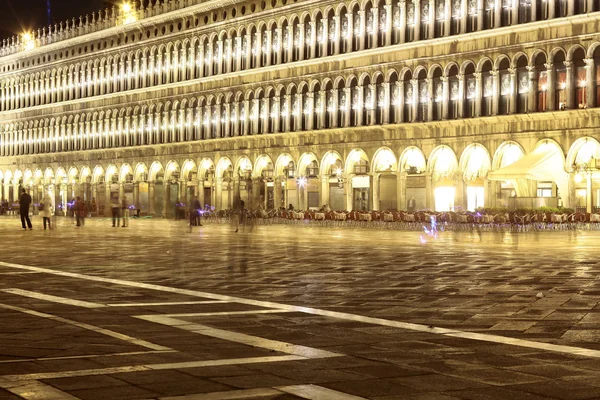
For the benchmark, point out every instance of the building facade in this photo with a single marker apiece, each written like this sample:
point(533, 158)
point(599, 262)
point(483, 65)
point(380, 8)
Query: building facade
point(357, 105)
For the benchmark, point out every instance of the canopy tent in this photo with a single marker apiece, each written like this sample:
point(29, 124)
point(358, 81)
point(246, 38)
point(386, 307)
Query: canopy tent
point(546, 163)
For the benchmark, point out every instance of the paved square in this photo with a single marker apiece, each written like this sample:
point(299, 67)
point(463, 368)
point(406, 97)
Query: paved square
point(156, 312)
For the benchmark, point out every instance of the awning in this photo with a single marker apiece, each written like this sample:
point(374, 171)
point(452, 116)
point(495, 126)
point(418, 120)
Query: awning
point(545, 164)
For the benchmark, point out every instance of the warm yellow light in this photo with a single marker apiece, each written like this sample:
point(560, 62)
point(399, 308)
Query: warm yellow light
point(126, 7)
point(578, 178)
point(28, 41)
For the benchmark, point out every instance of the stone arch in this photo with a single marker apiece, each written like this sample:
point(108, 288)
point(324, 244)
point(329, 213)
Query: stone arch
point(261, 163)
point(412, 160)
point(475, 162)
point(172, 170)
point(583, 151)
point(442, 162)
point(223, 165)
point(155, 169)
point(84, 174)
point(205, 165)
point(73, 175)
point(506, 154)
point(305, 161)
point(189, 167)
point(384, 159)
point(283, 161)
point(330, 160)
point(353, 158)
point(140, 173)
point(111, 171)
point(124, 172)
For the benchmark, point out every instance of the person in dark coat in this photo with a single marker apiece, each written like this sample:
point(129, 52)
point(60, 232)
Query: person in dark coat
point(79, 208)
point(24, 204)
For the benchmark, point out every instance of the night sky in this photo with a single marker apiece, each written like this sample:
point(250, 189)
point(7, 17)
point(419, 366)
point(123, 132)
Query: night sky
point(16, 16)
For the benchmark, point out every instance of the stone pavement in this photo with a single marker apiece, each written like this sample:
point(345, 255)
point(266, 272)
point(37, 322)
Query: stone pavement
point(156, 312)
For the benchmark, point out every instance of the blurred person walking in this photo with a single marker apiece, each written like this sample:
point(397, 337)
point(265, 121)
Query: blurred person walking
point(24, 204)
point(79, 209)
point(114, 206)
point(125, 211)
point(46, 211)
point(240, 215)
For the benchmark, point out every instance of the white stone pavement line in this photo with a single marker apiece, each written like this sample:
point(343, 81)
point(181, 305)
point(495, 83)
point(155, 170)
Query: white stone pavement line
point(169, 303)
point(249, 340)
point(87, 304)
point(53, 299)
point(333, 314)
point(209, 314)
point(34, 390)
point(229, 395)
point(93, 328)
point(314, 392)
point(130, 353)
point(147, 367)
point(309, 392)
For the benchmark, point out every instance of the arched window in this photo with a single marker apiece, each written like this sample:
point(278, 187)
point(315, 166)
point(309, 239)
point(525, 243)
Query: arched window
point(470, 92)
point(560, 81)
point(580, 84)
point(523, 86)
point(408, 106)
point(423, 96)
point(505, 84)
point(542, 83)
point(455, 101)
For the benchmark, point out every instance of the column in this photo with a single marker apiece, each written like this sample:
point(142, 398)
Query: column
point(447, 21)
point(389, 27)
point(415, 99)
point(269, 48)
point(219, 194)
point(418, 16)
point(348, 191)
point(107, 205)
point(514, 90)
point(551, 10)
point(478, 93)
point(464, 14)
point(348, 106)
point(386, 102)
point(350, 33)
point(363, 31)
point(302, 32)
point(136, 195)
point(531, 94)
point(445, 97)
point(430, 94)
point(277, 197)
point(571, 84)
point(324, 191)
point(313, 39)
point(322, 110)
point(590, 93)
point(461, 95)
point(336, 35)
point(496, 91)
point(311, 109)
point(590, 195)
point(201, 192)
point(375, 191)
point(121, 191)
point(166, 198)
point(429, 199)
point(570, 7)
point(401, 190)
point(403, 21)
point(480, 14)
point(498, 13)
point(514, 19)
point(373, 110)
point(550, 85)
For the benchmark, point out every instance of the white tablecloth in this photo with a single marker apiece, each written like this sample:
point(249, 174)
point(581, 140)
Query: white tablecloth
point(558, 218)
point(388, 217)
point(364, 217)
point(409, 218)
point(319, 216)
point(461, 218)
point(595, 217)
point(487, 219)
point(298, 215)
point(339, 217)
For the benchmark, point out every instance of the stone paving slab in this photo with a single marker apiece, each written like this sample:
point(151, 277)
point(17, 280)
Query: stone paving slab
point(414, 297)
